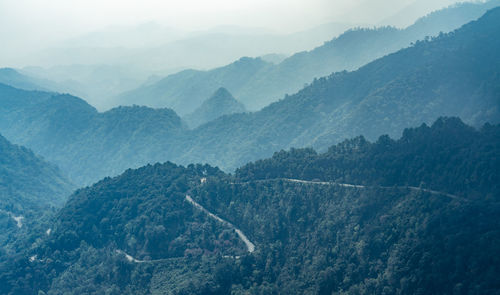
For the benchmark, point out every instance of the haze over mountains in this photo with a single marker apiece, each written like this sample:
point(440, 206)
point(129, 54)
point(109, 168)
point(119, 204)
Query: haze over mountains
point(368, 165)
point(453, 75)
point(100, 65)
point(99, 73)
point(257, 83)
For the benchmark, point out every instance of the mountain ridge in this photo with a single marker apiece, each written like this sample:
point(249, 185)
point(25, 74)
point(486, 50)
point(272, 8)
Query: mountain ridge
point(262, 83)
point(454, 74)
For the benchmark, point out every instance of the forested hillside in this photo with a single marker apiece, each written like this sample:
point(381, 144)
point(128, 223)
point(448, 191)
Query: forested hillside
point(463, 161)
point(350, 220)
point(257, 83)
point(29, 188)
point(455, 74)
point(71, 133)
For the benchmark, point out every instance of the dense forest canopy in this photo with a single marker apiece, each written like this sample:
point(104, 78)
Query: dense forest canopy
point(30, 191)
point(378, 172)
point(389, 217)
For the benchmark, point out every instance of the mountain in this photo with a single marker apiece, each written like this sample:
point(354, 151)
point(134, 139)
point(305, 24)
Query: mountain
point(13, 78)
point(185, 91)
point(96, 83)
point(219, 104)
point(30, 79)
point(257, 83)
point(154, 48)
point(29, 188)
point(455, 74)
point(100, 65)
point(412, 10)
point(87, 145)
point(418, 215)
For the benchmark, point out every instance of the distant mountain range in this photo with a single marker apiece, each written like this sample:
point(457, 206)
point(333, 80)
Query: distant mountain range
point(455, 74)
point(102, 64)
point(257, 83)
point(16, 79)
point(408, 216)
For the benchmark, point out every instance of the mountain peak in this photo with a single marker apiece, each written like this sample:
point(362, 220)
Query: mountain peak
point(220, 103)
point(221, 94)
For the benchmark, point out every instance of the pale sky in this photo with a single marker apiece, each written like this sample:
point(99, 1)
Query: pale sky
point(34, 24)
point(59, 17)
point(84, 15)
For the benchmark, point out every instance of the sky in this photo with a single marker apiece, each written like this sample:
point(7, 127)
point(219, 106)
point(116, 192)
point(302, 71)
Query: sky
point(34, 24)
point(61, 17)
point(80, 36)
point(56, 18)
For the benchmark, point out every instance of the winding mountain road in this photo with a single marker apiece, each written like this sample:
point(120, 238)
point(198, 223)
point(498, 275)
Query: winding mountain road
point(130, 258)
point(251, 246)
point(241, 235)
point(414, 188)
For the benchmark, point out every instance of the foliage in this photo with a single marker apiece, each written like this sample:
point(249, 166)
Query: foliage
point(311, 238)
point(30, 190)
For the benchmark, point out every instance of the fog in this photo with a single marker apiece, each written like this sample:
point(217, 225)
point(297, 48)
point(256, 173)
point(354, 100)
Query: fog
point(99, 48)
point(28, 26)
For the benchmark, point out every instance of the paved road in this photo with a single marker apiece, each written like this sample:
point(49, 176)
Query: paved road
point(251, 246)
point(243, 237)
point(384, 187)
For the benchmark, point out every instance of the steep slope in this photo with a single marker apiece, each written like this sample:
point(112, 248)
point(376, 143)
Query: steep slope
point(25, 80)
point(186, 90)
point(456, 74)
point(96, 82)
point(313, 234)
point(453, 151)
point(30, 178)
point(13, 78)
point(29, 187)
point(257, 83)
point(85, 144)
point(219, 104)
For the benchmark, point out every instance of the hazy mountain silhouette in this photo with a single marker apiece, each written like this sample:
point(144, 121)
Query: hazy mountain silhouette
point(257, 83)
point(219, 104)
point(452, 75)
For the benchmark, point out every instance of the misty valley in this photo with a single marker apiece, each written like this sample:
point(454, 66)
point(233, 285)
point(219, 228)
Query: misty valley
point(357, 156)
